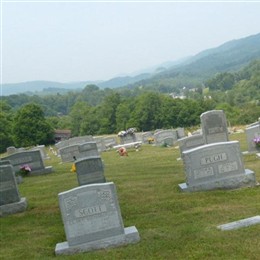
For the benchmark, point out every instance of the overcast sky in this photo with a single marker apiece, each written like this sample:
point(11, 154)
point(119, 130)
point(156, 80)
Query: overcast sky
point(81, 41)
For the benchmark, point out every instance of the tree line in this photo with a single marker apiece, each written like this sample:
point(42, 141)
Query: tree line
point(30, 120)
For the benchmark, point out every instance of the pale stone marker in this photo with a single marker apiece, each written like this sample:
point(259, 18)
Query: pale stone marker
point(240, 223)
point(10, 201)
point(216, 166)
point(32, 158)
point(11, 150)
point(190, 142)
point(214, 126)
point(251, 133)
point(165, 137)
point(92, 220)
point(69, 153)
point(90, 170)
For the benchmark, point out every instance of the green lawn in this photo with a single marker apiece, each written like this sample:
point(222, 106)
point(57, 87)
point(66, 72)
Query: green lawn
point(171, 224)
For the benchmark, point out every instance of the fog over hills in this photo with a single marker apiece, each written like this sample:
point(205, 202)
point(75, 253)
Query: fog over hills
point(230, 56)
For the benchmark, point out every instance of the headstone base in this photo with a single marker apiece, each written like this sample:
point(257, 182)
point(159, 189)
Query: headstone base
point(130, 236)
point(13, 208)
point(244, 180)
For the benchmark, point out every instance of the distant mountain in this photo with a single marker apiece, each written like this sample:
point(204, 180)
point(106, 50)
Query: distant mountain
point(122, 81)
point(230, 56)
point(188, 72)
point(48, 87)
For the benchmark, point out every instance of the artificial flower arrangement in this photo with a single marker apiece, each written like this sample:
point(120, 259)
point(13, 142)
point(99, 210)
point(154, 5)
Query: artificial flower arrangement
point(256, 140)
point(24, 170)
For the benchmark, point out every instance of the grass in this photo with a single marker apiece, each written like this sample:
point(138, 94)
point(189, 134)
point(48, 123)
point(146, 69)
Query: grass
point(171, 224)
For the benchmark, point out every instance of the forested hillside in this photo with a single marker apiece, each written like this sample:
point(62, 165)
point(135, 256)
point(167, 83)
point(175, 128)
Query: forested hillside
point(228, 57)
point(94, 111)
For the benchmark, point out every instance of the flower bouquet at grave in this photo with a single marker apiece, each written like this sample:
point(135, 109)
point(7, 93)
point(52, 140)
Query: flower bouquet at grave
point(257, 141)
point(24, 170)
point(73, 168)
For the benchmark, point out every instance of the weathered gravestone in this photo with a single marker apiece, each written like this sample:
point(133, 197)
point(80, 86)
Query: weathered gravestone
point(77, 151)
point(128, 138)
point(180, 132)
point(216, 166)
point(90, 170)
point(147, 137)
point(31, 158)
point(252, 132)
point(19, 178)
point(165, 137)
point(214, 126)
point(109, 142)
point(190, 142)
point(92, 220)
point(10, 201)
point(41, 148)
point(11, 150)
point(100, 144)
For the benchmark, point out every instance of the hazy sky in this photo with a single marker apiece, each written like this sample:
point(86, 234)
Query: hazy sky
point(84, 40)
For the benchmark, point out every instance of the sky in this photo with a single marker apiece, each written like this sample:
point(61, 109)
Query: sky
point(70, 41)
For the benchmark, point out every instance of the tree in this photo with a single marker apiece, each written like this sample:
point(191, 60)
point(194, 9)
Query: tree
point(108, 113)
point(30, 126)
point(147, 113)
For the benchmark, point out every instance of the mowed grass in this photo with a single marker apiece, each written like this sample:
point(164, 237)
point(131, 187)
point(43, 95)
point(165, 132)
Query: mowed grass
point(171, 224)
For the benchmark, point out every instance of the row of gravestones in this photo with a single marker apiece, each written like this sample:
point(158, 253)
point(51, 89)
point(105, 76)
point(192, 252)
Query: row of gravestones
point(211, 161)
point(10, 200)
point(91, 213)
point(11, 150)
point(81, 147)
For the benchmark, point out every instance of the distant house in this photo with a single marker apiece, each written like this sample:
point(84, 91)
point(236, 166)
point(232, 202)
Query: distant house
point(61, 134)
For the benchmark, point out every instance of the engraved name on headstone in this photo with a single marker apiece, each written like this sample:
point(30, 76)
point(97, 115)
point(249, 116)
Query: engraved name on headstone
point(214, 166)
point(92, 219)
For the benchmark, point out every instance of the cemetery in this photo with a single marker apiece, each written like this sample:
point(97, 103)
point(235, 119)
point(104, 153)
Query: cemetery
point(147, 205)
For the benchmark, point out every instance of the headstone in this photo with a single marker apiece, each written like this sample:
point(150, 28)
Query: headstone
point(92, 220)
point(109, 142)
point(100, 144)
point(68, 153)
point(251, 133)
point(216, 166)
point(41, 148)
point(31, 158)
point(90, 170)
point(77, 151)
point(147, 137)
point(10, 150)
point(180, 132)
point(19, 178)
point(165, 137)
point(128, 138)
point(190, 142)
point(88, 149)
point(10, 201)
point(214, 126)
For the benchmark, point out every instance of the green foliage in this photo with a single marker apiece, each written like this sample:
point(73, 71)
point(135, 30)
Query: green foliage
point(30, 126)
point(6, 117)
